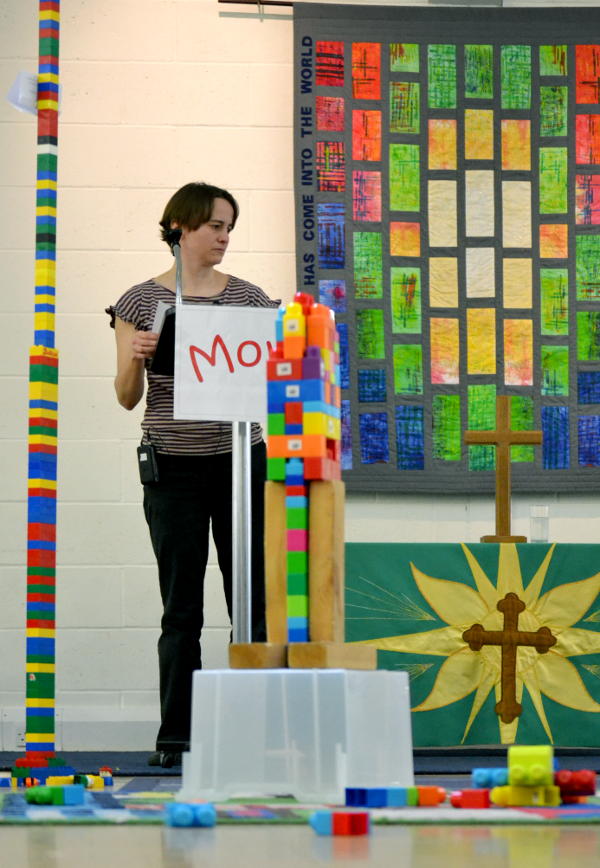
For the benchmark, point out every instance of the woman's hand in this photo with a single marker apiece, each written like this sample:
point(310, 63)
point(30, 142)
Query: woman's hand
point(143, 344)
point(133, 348)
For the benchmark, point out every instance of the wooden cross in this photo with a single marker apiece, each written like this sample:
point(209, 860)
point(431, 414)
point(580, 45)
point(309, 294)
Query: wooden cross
point(509, 638)
point(503, 438)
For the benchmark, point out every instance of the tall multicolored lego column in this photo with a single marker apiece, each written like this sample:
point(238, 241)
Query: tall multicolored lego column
point(304, 501)
point(43, 413)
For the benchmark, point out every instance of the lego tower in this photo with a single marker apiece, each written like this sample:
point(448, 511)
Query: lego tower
point(40, 758)
point(304, 501)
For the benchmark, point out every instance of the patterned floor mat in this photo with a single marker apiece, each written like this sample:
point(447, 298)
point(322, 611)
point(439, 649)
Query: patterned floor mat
point(142, 801)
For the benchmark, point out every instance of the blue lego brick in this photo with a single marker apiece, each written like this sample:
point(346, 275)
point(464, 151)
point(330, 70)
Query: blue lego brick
point(279, 392)
point(297, 634)
point(297, 501)
point(294, 471)
point(179, 814)
point(293, 429)
point(37, 645)
point(73, 794)
point(205, 815)
point(366, 797)
point(487, 778)
point(279, 325)
point(397, 797)
point(322, 822)
point(322, 407)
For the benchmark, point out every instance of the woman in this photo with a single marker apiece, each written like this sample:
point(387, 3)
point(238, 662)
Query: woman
point(193, 488)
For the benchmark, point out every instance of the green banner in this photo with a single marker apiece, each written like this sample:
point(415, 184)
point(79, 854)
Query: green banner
point(414, 602)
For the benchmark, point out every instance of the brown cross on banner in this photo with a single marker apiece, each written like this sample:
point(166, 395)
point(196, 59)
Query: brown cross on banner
point(509, 638)
point(503, 438)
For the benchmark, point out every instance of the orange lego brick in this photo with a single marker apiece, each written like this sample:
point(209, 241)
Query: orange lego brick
point(293, 347)
point(296, 446)
point(430, 797)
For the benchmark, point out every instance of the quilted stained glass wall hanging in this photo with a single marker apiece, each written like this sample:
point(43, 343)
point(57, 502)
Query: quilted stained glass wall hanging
point(447, 178)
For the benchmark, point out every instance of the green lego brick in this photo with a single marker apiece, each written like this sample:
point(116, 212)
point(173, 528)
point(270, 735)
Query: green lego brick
point(297, 583)
point(40, 724)
point(276, 423)
point(296, 518)
point(39, 589)
point(276, 469)
point(297, 607)
point(42, 687)
point(43, 615)
point(412, 796)
point(297, 562)
point(41, 571)
point(40, 658)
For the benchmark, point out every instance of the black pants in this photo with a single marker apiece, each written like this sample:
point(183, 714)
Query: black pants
point(192, 493)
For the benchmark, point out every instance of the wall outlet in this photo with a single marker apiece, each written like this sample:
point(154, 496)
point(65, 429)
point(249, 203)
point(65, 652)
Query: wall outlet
point(20, 739)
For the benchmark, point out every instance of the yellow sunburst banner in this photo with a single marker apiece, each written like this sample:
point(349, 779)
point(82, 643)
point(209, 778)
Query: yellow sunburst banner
point(421, 606)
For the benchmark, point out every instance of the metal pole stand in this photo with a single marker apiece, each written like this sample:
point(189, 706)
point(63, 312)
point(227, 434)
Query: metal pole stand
point(241, 523)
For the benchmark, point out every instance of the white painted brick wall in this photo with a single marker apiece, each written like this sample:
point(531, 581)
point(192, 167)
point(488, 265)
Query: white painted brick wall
point(154, 93)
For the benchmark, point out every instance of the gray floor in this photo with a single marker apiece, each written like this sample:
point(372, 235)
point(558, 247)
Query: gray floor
point(298, 846)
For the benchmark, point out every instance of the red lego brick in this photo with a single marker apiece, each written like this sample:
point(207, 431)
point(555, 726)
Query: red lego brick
point(293, 412)
point(296, 490)
point(321, 468)
point(284, 369)
point(346, 823)
point(470, 798)
point(579, 783)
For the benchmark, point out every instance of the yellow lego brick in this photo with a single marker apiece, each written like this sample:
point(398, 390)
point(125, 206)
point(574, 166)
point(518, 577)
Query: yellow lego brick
point(39, 703)
point(44, 298)
point(294, 321)
point(49, 15)
point(36, 412)
point(40, 633)
point(38, 737)
point(51, 104)
point(45, 269)
point(43, 392)
point(48, 77)
point(44, 321)
point(321, 423)
point(46, 184)
point(42, 440)
point(40, 667)
point(513, 797)
point(49, 484)
point(531, 765)
point(46, 211)
point(59, 780)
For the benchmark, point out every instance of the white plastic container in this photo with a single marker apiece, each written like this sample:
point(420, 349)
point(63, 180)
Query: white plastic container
point(308, 733)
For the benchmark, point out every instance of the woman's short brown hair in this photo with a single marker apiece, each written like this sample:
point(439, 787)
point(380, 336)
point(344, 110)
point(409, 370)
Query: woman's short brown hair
point(192, 205)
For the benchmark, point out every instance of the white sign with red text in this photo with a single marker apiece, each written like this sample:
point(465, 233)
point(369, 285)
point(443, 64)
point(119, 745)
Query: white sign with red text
point(221, 362)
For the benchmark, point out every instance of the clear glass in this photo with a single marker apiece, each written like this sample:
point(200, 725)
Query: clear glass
point(538, 524)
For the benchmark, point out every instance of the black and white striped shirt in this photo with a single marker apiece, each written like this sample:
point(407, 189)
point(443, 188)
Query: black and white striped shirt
point(180, 436)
